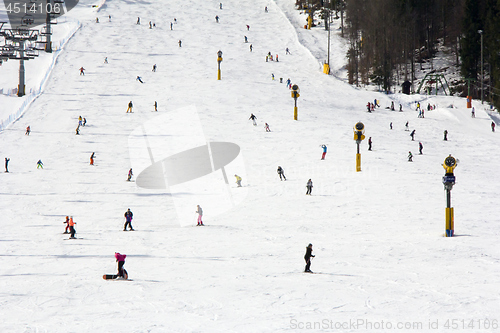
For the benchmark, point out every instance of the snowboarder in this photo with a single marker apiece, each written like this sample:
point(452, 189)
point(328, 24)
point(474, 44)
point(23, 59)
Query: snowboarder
point(82, 71)
point(309, 187)
point(445, 135)
point(28, 131)
point(473, 113)
point(92, 158)
point(307, 258)
point(253, 117)
point(407, 128)
point(217, 18)
point(39, 164)
point(493, 126)
point(7, 164)
point(251, 47)
point(410, 157)
point(154, 68)
point(370, 143)
point(238, 180)
point(390, 125)
point(412, 134)
point(266, 126)
point(180, 43)
point(281, 173)
point(72, 230)
point(420, 148)
point(156, 106)
point(324, 151)
point(120, 259)
point(138, 20)
point(129, 109)
point(287, 51)
point(130, 174)
point(139, 79)
point(199, 211)
point(66, 230)
point(128, 220)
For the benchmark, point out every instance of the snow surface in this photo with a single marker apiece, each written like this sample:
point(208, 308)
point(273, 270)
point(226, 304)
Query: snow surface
point(377, 234)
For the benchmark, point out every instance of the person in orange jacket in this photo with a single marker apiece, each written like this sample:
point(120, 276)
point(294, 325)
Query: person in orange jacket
point(67, 225)
point(72, 230)
point(92, 158)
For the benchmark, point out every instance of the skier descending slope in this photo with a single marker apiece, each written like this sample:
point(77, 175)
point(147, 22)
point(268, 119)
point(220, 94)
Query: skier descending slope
point(199, 211)
point(309, 187)
point(324, 151)
point(281, 173)
point(128, 220)
point(253, 117)
point(307, 258)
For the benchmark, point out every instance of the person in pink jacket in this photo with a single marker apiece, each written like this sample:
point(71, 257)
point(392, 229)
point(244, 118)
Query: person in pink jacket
point(120, 258)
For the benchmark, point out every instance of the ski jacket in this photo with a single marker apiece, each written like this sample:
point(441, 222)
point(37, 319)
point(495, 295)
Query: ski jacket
point(128, 215)
point(309, 183)
point(280, 170)
point(238, 178)
point(71, 223)
point(120, 257)
point(324, 148)
point(308, 254)
point(199, 211)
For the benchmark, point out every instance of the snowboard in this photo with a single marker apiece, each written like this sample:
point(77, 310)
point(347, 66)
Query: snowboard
point(115, 276)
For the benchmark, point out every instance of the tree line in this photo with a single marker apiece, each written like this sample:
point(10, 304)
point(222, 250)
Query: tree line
point(390, 39)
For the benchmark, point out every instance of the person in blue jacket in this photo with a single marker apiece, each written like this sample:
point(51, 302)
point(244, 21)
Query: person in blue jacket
point(324, 151)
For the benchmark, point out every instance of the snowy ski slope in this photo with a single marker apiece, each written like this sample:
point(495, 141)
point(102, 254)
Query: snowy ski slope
point(381, 257)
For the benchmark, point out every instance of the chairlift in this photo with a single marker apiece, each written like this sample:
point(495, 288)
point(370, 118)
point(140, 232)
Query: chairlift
point(27, 20)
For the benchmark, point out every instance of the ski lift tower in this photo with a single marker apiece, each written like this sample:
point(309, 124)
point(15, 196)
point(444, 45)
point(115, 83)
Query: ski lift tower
point(16, 47)
point(53, 7)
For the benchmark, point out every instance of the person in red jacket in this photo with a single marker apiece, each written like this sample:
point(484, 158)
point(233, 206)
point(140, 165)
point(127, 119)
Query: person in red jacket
point(120, 259)
point(493, 126)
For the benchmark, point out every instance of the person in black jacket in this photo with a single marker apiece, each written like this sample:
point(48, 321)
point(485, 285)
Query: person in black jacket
point(307, 258)
point(128, 218)
point(281, 173)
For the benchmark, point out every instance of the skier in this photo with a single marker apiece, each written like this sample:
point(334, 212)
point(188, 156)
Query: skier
point(420, 114)
point(265, 9)
point(180, 43)
point(420, 148)
point(392, 105)
point(7, 164)
point(150, 25)
point(288, 82)
point(156, 106)
point(266, 126)
point(82, 71)
point(251, 47)
point(217, 18)
point(277, 58)
point(28, 131)
point(370, 143)
point(128, 220)
point(138, 20)
point(238, 180)
point(246, 39)
point(77, 130)
point(390, 125)
point(368, 107)
point(445, 135)
point(267, 58)
point(109, 17)
point(410, 157)
point(281, 173)
point(154, 68)
point(400, 108)
point(72, 230)
point(96, 20)
point(412, 134)
point(307, 258)
point(92, 158)
point(199, 211)
point(129, 109)
point(220, 5)
point(473, 113)
point(324, 152)
point(120, 259)
point(423, 113)
point(106, 60)
point(272, 76)
point(418, 106)
point(139, 79)
point(407, 129)
point(287, 51)
point(80, 121)
point(130, 174)
point(248, 27)
point(171, 26)
point(493, 126)
point(67, 225)
point(253, 117)
point(39, 164)
point(309, 187)
point(84, 121)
